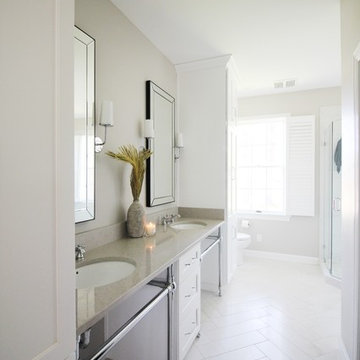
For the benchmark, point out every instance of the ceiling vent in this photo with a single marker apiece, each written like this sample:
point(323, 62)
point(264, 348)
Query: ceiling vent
point(282, 84)
point(278, 84)
point(290, 83)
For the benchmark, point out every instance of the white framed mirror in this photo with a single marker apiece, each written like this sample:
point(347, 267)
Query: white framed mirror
point(84, 126)
point(160, 170)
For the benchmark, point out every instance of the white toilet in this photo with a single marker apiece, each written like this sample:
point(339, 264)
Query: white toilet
point(242, 242)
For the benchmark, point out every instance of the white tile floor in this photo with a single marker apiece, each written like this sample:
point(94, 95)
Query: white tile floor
point(271, 310)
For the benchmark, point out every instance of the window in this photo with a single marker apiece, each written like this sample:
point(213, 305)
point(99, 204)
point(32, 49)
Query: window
point(275, 161)
point(261, 166)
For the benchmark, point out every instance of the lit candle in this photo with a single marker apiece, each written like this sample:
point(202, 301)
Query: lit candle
point(150, 229)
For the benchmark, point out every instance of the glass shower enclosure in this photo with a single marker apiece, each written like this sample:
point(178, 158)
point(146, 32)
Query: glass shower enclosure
point(331, 198)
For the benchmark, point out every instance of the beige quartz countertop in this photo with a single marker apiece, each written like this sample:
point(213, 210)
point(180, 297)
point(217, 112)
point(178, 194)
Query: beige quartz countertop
point(150, 256)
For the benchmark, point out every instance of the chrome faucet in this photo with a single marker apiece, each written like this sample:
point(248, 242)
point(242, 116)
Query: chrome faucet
point(79, 253)
point(169, 219)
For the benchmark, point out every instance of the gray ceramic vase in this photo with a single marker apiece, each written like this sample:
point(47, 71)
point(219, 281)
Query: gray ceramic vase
point(135, 219)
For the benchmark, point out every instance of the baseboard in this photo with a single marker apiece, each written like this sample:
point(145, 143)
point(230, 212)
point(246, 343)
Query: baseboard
point(343, 351)
point(72, 356)
point(328, 277)
point(282, 257)
point(207, 286)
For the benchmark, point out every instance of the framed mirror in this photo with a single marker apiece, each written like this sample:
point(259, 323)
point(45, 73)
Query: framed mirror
point(84, 125)
point(160, 170)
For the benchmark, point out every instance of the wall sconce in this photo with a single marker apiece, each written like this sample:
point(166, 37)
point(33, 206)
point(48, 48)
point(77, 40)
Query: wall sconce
point(149, 129)
point(106, 119)
point(149, 133)
point(179, 144)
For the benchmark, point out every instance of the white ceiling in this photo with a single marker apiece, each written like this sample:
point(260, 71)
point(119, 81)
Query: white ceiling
point(269, 39)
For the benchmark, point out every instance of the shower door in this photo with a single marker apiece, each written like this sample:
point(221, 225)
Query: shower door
point(336, 201)
point(332, 198)
point(327, 194)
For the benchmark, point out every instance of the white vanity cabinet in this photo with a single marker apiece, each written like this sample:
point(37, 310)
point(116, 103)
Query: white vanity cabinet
point(188, 299)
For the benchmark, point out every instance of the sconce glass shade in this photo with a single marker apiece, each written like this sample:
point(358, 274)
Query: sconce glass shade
point(107, 113)
point(179, 144)
point(179, 141)
point(149, 129)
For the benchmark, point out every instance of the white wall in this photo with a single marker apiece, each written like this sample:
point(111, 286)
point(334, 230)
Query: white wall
point(202, 111)
point(350, 37)
point(125, 59)
point(299, 236)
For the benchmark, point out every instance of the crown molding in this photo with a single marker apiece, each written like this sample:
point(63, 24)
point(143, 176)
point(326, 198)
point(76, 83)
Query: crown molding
point(219, 61)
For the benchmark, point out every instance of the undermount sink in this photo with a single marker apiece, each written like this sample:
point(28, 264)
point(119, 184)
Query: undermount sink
point(188, 225)
point(102, 273)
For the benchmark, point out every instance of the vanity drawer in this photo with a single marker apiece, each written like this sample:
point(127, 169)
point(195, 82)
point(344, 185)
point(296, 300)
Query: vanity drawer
point(189, 290)
point(188, 262)
point(189, 328)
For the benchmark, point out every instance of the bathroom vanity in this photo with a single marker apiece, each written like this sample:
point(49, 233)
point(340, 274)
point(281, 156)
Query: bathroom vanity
point(153, 312)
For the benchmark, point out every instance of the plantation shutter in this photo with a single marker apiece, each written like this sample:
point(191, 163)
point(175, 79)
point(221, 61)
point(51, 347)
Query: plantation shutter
point(300, 165)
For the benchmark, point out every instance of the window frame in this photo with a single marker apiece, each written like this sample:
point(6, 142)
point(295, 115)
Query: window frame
point(263, 214)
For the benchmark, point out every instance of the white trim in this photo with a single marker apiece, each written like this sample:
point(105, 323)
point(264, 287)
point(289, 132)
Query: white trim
point(231, 117)
point(269, 217)
point(207, 286)
point(343, 351)
point(233, 72)
point(330, 279)
point(219, 61)
point(65, 342)
point(356, 303)
point(72, 356)
point(261, 118)
point(282, 257)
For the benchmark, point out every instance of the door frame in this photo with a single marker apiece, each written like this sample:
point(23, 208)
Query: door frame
point(356, 90)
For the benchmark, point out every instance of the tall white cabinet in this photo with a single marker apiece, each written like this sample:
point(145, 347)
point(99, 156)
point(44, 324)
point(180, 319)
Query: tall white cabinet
point(232, 120)
point(36, 184)
point(207, 104)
